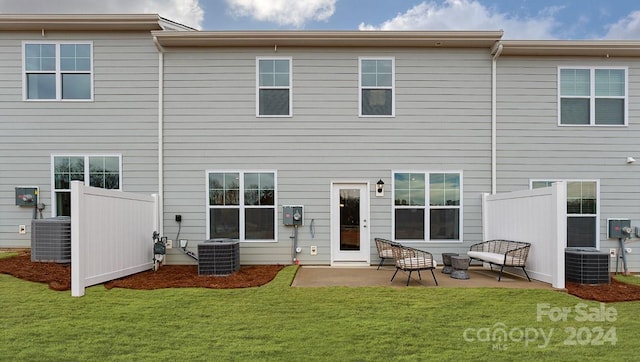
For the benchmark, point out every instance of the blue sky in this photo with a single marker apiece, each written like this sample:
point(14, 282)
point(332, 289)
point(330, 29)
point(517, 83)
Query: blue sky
point(520, 19)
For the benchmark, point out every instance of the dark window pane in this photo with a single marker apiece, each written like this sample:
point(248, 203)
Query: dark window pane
point(588, 206)
point(610, 111)
point(231, 197)
point(409, 224)
point(376, 102)
point(225, 223)
point(444, 224)
point(62, 181)
point(216, 197)
point(251, 197)
point(111, 181)
point(574, 206)
point(63, 203)
point(267, 197)
point(574, 111)
point(96, 180)
point(259, 224)
point(274, 102)
point(581, 232)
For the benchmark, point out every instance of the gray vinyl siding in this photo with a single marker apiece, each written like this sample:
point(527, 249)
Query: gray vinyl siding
point(122, 119)
point(442, 123)
point(531, 145)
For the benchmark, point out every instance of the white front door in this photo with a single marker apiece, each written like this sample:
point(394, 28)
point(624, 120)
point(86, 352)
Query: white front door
point(350, 238)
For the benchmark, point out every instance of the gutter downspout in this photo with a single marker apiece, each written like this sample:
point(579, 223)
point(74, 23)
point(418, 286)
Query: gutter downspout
point(494, 122)
point(160, 136)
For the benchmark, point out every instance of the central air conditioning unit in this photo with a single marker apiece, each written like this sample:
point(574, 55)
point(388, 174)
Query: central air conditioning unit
point(51, 240)
point(587, 266)
point(218, 257)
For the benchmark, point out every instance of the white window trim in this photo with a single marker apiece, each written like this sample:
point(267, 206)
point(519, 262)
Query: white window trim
point(427, 207)
point(592, 97)
point(241, 206)
point(58, 72)
point(290, 87)
point(597, 214)
point(393, 87)
point(87, 180)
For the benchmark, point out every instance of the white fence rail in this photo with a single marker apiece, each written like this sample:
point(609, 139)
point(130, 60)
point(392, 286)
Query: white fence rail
point(536, 216)
point(111, 235)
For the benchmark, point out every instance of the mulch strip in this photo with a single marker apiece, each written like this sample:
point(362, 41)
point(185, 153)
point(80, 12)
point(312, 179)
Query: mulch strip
point(58, 276)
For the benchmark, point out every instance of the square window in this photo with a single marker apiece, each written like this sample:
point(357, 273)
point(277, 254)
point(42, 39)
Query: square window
point(434, 218)
point(409, 224)
point(41, 86)
point(251, 195)
point(224, 223)
point(592, 96)
point(58, 71)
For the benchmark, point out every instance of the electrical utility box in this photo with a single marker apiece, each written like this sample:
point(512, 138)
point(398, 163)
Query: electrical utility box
point(26, 196)
point(619, 228)
point(292, 215)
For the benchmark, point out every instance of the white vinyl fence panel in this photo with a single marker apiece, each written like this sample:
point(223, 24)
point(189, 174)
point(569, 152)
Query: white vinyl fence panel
point(111, 235)
point(538, 217)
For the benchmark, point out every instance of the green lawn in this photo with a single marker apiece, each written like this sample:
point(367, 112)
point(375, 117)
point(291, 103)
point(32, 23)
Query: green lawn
point(278, 322)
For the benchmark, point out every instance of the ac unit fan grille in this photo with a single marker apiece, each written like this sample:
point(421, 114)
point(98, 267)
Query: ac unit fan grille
point(51, 240)
point(587, 266)
point(218, 257)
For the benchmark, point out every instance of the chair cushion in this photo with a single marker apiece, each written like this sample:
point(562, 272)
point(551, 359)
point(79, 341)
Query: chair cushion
point(495, 258)
point(415, 263)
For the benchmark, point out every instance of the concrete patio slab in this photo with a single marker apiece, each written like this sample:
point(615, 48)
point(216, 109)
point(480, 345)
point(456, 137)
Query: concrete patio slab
point(479, 277)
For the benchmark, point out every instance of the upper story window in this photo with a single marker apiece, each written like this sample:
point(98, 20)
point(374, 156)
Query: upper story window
point(58, 71)
point(274, 87)
point(97, 171)
point(377, 91)
point(593, 96)
point(427, 206)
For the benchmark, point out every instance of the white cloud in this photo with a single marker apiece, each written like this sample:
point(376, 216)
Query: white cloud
point(626, 28)
point(284, 12)
point(187, 12)
point(470, 15)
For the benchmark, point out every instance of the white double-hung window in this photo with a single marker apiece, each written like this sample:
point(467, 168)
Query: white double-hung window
point(377, 91)
point(427, 206)
point(241, 205)
point(103, 171)
point(57, 71)
point(592, 96)
point(273, 97)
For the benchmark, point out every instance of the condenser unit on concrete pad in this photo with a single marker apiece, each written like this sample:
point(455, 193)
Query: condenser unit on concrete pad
point(218, 257)
point(51, 240)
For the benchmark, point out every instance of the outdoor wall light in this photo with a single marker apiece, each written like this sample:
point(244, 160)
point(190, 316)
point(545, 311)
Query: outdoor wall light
point(380, 188)
point(631, 160)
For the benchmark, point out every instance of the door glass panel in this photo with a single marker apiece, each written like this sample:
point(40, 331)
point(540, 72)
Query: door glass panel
point(350, 219)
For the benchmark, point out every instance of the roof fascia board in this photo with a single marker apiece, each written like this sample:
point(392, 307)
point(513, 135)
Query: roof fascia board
point(84, 22)
point(576, 48)
point(445, 39)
